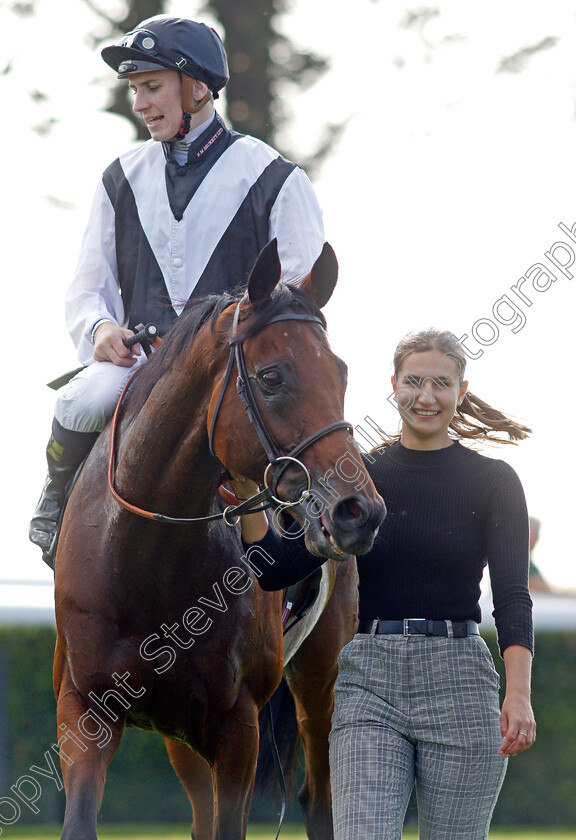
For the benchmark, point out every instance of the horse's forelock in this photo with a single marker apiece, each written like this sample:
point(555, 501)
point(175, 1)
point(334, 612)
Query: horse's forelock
point(285, 297)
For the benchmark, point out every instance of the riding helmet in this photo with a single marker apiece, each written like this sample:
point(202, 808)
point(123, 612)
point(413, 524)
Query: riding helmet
point(175, 43)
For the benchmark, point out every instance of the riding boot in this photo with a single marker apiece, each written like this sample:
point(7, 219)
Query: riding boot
point(65, 452)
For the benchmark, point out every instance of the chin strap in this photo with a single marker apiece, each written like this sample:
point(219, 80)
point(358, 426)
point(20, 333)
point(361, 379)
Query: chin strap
point(184, 126)
point(187, 116)
point(188, 106)
point(188, 95)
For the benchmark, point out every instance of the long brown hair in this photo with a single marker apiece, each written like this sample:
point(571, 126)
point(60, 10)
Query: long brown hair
point(474, 419)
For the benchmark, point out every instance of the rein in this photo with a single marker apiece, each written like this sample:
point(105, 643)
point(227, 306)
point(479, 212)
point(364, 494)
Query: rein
point(267, 496)
point(246, 506)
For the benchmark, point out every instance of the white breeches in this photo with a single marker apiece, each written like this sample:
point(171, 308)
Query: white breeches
point(88, 401)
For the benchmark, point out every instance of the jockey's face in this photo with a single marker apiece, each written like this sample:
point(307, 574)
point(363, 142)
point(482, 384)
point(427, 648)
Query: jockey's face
point(158, 102)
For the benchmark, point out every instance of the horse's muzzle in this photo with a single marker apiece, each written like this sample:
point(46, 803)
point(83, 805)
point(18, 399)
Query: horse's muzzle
point(353, 522)
point(349, 526)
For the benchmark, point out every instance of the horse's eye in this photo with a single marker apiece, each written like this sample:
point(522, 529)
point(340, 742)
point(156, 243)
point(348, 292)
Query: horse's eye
point(271, 378)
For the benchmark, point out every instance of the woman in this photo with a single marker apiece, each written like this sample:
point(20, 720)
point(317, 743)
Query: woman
point(416, 700)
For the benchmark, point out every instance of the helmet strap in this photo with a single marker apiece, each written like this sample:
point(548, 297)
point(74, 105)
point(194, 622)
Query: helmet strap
point(188, 105)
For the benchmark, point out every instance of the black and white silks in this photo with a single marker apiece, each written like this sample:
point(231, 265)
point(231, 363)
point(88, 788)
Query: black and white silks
point(160, 232)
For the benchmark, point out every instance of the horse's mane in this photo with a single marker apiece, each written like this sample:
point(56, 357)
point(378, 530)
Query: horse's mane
point(180, 338)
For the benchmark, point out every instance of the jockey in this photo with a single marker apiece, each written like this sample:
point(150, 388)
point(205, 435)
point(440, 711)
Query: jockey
point(182, 215)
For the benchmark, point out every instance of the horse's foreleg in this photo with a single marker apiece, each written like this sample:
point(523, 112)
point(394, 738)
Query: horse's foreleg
point(311, 675)
point(196, 777)
point(87, 741)
point(234, 770)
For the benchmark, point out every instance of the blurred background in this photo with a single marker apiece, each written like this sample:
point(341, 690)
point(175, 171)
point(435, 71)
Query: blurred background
point(440, 140)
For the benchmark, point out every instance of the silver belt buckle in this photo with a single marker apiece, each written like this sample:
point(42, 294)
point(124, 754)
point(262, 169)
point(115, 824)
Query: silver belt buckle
point(406, 625)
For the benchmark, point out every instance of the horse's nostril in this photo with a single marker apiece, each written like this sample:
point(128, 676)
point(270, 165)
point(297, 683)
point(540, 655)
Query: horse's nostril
point(353, 508)
point(350, 511)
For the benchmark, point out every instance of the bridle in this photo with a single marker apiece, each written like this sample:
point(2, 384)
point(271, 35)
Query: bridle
point(276, 459)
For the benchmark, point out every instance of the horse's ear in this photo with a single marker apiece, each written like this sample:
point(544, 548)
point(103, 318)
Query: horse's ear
point(265, 275)
point(320, 283)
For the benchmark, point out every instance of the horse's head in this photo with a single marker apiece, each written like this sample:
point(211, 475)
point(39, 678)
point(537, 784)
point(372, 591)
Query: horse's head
point(284, 421)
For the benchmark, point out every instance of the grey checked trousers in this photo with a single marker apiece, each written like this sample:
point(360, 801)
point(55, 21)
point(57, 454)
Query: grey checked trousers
point(415, 710)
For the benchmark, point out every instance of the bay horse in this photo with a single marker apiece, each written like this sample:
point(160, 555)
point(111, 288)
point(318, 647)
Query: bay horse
point(160, 621)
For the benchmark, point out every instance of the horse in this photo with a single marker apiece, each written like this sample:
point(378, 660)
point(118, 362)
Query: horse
point(160, 621)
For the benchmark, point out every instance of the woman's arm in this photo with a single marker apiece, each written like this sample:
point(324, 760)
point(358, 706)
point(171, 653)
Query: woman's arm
point(277, 562)
point(508, 563)
point(517, 724)
point(508, 558)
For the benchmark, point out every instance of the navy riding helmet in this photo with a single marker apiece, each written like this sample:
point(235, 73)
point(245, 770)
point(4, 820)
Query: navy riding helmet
point(175, 43)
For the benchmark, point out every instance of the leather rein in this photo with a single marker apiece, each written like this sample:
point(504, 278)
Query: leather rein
point(268, 495)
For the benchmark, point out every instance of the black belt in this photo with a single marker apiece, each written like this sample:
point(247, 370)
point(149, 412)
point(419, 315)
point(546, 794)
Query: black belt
point(420, 626)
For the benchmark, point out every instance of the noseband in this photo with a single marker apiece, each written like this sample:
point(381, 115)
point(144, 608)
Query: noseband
point(278, 461)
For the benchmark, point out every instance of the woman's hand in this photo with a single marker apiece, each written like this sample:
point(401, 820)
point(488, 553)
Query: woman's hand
point(109, 345)
point(517, 724)
point(243, 488)
point(254, 525)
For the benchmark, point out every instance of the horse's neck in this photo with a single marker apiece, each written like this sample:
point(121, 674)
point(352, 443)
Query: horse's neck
point(164, 458)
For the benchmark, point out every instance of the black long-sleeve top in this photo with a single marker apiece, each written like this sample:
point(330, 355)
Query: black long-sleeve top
point(451, 511)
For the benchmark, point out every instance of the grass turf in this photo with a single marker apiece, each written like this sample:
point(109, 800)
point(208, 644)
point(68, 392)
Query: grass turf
point(259, 832)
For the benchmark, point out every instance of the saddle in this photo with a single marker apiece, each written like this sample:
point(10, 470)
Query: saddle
point(299, 599)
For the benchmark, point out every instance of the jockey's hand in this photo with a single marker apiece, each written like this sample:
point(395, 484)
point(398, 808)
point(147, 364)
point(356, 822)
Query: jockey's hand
point(109, 345)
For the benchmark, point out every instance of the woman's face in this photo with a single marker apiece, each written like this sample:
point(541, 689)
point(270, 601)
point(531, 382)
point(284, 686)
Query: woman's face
point(427, 391)
point(158, 102)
